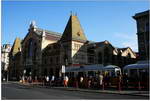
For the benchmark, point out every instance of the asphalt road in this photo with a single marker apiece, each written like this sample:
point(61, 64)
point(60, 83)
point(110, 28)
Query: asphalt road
point(16, 92)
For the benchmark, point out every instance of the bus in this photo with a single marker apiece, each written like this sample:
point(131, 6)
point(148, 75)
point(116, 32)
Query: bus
point(138, 72)
point(94, 71)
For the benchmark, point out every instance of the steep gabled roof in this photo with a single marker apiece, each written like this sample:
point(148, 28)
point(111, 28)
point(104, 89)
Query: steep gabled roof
point(73, 30)
point(39, 32)
point(101, 44)
point(122, 50)
point(49, 34)
point(16, 46)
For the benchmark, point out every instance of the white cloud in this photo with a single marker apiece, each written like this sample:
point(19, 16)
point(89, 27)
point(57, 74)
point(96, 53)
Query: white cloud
point(126, 36)
point(133, 46)
point(129, 40)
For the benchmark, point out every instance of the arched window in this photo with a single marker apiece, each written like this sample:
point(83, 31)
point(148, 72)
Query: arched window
point(30, 48)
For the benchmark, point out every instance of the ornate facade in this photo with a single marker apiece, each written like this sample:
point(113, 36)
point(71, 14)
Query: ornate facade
point(32, 46)
point(69, 50)
point(44, 52)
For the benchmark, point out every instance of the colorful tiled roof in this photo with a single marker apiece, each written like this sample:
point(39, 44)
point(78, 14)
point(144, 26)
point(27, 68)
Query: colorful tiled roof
point(16, 46)
point(73, 30)
point(39, 32)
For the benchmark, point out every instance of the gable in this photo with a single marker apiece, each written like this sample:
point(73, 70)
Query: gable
point(129, 51)
point(73, 30)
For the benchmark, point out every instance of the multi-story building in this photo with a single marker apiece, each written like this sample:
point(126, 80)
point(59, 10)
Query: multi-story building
point(105, 53)
point(70, 49)
point(5, 59)
point(142, 20)
point(32, 46)
point(15, 69)
point(44, 52)
point(73, 49)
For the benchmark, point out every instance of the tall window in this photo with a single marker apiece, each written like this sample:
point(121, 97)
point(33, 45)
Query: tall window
point(35, 51)
point(30, 53)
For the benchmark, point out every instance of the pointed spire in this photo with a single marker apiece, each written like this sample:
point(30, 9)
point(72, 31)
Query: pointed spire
point(16, 46)
point(33, 24)
point(73, 30)
point(70, 13)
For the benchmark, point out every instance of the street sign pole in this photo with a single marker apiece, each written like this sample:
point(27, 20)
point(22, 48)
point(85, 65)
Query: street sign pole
point(63, 71)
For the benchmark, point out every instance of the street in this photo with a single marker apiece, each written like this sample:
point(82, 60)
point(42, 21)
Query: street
point(16, 92)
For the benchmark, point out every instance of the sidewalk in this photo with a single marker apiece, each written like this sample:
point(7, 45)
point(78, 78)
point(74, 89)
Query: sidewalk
point(125, 92)
point(138, 93)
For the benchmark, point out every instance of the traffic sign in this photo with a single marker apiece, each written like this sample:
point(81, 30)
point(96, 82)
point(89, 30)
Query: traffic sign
point(63, 69)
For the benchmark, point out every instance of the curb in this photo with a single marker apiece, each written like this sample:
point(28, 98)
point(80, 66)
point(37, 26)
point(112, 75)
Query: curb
point(83, 90)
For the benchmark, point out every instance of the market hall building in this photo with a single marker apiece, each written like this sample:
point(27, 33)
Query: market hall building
point(44, 52)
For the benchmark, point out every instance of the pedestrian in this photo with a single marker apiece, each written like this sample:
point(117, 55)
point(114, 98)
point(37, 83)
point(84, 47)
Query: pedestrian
point(36, 79)
point(81, 81)
point(47, 81)
point(89, 83)
point(52, 80)
point(100, 80)
point(66, 79)
point(30, 79)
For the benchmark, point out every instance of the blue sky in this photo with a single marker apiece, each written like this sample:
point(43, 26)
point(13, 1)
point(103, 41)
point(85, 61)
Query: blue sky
point(101, 20)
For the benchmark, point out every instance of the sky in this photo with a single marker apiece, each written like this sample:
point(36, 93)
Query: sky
point(100, 20)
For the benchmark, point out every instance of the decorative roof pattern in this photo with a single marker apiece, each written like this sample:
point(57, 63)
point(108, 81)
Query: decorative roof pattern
point(73, 30)
point(16, 46)
point(39, 31)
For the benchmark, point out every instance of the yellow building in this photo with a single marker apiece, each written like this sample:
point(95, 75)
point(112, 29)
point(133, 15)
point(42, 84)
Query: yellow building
point(15, 69)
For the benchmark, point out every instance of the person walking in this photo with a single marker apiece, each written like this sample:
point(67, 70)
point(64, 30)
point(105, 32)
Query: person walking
point(30, 79)
point(66, 81)
point(52, 80)
point(89, 83)
point(100, 80)
point(47, 81)
point(81, 81)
